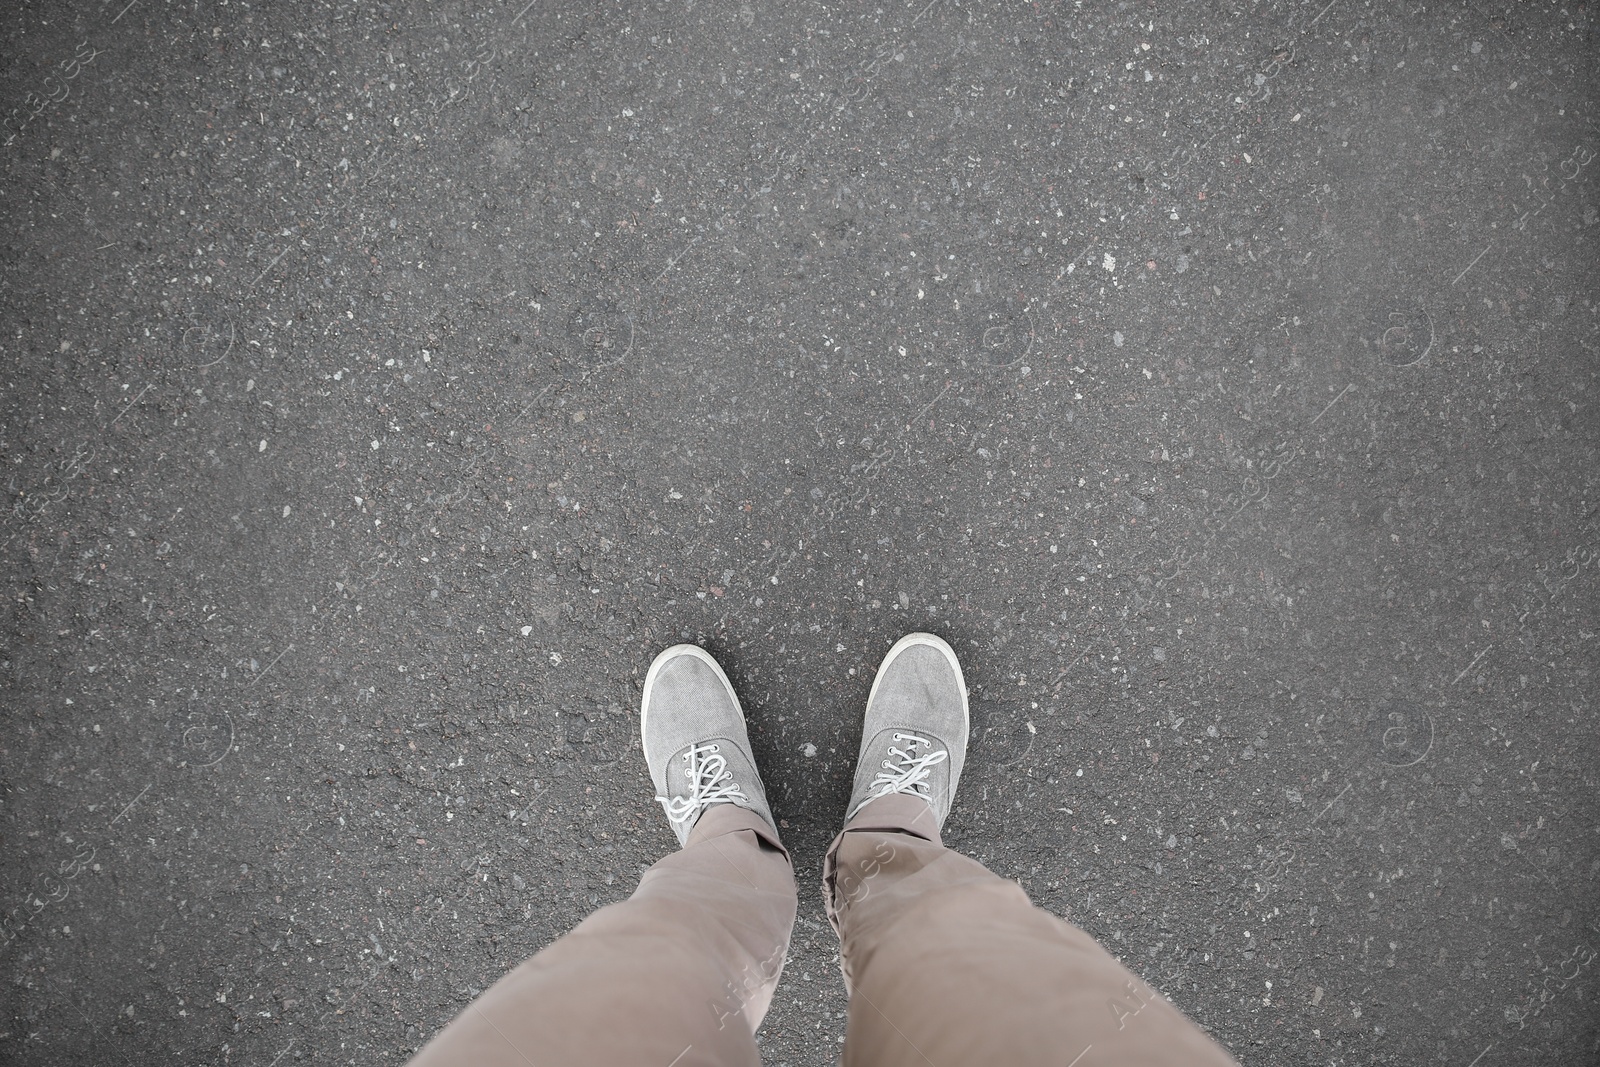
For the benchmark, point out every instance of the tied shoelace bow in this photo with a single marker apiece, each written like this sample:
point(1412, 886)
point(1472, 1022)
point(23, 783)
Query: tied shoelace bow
point(710, 782)
point(910, 774)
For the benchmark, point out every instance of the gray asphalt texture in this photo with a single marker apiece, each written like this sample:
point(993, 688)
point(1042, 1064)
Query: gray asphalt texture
point(384, 384)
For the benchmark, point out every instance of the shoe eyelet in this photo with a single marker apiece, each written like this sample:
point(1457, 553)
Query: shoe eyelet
point(716, 748)
point(886, 763)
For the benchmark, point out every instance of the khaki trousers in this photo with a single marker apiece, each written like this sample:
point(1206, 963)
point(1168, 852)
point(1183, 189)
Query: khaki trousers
point(947, 965)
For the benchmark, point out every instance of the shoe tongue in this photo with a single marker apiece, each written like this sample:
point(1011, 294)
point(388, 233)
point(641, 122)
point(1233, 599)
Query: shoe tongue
point(681, 780)
point(934, 776)
point(914, 745)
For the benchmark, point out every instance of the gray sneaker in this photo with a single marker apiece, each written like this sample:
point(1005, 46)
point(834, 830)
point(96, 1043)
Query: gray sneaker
point(695, 739)
point(915, 737)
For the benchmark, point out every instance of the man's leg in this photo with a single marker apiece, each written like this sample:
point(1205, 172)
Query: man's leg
point(948, 963)
point(679, 973)
point(682, 972)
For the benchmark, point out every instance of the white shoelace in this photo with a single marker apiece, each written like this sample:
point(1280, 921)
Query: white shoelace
point(910, 774)
point(710, 782)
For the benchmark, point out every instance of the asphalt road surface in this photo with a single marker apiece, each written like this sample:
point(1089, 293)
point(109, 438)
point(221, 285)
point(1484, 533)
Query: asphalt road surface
point(383, 384)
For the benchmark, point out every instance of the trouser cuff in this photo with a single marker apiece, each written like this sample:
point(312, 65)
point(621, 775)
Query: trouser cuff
point(721, 819)
point(897, 813)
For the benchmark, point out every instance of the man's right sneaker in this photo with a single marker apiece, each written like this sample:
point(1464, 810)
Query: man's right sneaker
point(915, 737)
point(695, 740)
